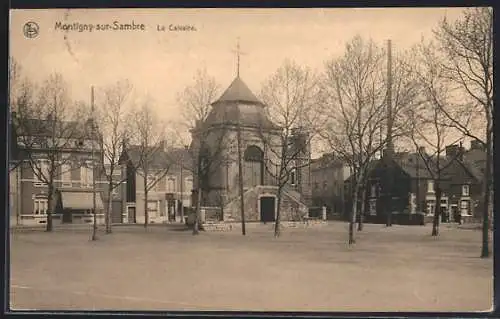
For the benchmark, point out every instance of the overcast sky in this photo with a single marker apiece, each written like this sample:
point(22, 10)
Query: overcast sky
point(162, 63)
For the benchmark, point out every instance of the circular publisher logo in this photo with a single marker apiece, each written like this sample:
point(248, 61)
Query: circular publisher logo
point(31, 29)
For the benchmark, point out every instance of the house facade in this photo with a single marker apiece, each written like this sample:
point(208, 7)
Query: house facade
point(475, 157)
point(327, 178)
point(116, 204)
point(414, 188)
point(238, 116)
point(169, 188)
point(73, 176)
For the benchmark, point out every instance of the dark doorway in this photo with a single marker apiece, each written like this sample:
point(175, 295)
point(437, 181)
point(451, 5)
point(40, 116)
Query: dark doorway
point(131, 215)
point(455, 213)
point(444, 215)
point(116, 212)
point(67, 216)
point(267, 206)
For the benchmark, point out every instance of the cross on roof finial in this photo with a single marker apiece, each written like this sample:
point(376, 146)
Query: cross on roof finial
point(238, 53)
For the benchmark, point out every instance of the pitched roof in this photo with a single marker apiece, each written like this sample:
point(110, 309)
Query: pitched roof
point(475, 155)
point(44, 128)
point(372, 165)
point(226, 111)
point(473, 173)
point(474, 168)
point(325, 161)
point(233, 114)
point(159, 157)
point(238, 91)
point(412, 164)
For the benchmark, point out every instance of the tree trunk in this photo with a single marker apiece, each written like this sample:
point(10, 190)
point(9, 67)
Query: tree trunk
point(352, 221)
point(50, 204)
point(485, 250)
point(388, 199)
point(108, 210)
point(222, 203)
point(437, 210)
point(240, 182)
point(362, 208)
point(146, 213)
point(196, 224)
point(182, 207)
point(94, 225)
point(277, 226)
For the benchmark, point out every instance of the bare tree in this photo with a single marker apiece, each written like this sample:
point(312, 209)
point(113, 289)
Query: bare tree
point(19, 92)
point(49, 128)
point(195, 99)
point(292, 96)
point(206, 152)
point(151, 159)
point(467, 46)
point(430, 126)
point(112, 121)
point(355, 110)
point(14, 82)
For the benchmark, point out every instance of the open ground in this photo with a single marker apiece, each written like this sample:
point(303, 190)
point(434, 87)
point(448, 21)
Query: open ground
point(401, 268)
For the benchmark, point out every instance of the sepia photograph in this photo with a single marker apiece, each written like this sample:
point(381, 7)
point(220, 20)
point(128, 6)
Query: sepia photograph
point(251, 159)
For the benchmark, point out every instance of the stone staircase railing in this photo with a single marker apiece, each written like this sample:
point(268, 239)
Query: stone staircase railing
point(296, 197)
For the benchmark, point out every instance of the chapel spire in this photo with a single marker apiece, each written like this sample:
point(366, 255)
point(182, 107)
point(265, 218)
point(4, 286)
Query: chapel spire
point(238, 54)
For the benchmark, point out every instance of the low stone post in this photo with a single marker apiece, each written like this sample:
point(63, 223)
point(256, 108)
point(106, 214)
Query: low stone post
point(202, 215)
point(323, 212)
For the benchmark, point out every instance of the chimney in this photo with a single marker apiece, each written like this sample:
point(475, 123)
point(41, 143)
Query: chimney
point(476, 145)
point(461, 151)
point(452, 151)
point(161, 145)
point(421, 150)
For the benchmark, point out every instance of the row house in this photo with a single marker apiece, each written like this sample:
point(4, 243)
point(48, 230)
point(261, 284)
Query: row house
point(170, 183)
point(116, 205)
point(327, 178)
point(413, 187)
point(476, 157)
point(462, 182)
point(74, 166)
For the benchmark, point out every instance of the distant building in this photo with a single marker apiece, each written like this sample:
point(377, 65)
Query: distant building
point(117, 208)
point(413, 187)
point(170, 193)
point(475, 157)
point(73, 184)
point(327, 178)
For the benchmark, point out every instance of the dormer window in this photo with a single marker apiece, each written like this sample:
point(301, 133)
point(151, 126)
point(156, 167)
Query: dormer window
point(465, 190)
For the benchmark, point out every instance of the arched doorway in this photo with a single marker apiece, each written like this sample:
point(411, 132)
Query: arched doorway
point(253, 171)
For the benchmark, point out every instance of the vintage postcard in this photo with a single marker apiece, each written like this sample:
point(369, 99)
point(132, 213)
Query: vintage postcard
point(251, 159)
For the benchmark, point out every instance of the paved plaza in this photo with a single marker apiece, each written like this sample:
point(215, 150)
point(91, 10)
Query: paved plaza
point(401, 268)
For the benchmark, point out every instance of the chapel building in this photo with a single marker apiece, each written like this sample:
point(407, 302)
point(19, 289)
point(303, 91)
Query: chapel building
point(239, 115)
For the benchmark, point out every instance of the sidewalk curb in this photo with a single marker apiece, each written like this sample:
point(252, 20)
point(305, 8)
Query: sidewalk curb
point(79, 227)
